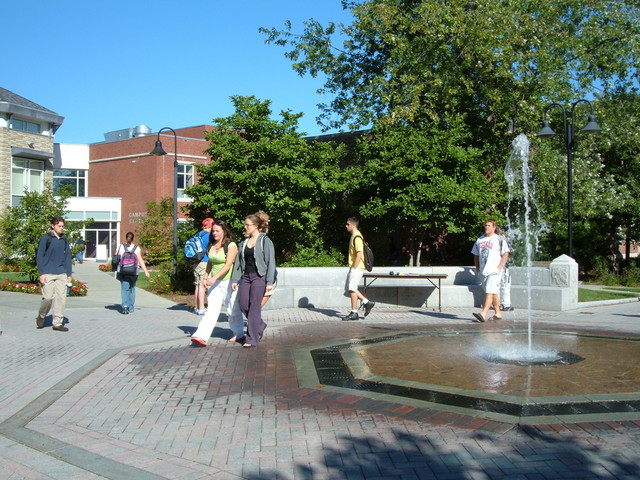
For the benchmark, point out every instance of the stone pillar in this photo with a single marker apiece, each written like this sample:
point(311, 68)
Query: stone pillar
point(563, 273)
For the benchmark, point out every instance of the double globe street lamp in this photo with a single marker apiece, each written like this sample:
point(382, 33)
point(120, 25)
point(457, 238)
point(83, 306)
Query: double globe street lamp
point(158, 151)
point(569, 140)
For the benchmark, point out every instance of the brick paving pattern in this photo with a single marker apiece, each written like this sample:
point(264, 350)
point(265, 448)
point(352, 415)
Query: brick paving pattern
point(128, 397)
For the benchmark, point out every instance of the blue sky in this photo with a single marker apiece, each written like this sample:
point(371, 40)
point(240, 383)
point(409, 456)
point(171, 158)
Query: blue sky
point(109, 65)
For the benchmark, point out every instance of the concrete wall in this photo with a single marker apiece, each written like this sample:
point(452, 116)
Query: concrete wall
point(552, 288)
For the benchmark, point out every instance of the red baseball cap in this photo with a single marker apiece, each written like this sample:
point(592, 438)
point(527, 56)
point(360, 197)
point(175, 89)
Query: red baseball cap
point(207, 222)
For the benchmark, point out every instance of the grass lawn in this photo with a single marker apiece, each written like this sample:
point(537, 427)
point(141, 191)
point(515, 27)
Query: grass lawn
point(17, 277)
point(588, 295)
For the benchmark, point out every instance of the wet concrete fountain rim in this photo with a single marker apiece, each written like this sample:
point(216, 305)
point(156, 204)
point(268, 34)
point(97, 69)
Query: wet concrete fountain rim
point(337, 367)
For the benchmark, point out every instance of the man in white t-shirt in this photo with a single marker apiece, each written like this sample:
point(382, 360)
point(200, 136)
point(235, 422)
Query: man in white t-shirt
point(490, 256)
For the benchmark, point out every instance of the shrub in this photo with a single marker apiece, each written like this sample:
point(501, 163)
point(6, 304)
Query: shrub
point(311, 257)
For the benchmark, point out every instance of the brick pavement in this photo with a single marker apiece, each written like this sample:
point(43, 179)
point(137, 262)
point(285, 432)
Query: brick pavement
point(127, 397)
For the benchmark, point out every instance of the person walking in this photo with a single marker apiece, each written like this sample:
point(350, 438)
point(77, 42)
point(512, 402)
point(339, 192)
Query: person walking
point(236, 320)
point(200, 294)
point(356, 270)
point(490, 256)
point(53, 259)
point(82, 251)
point(254, 274)
point(505, 278)
point(222, 252)
point(128, 279)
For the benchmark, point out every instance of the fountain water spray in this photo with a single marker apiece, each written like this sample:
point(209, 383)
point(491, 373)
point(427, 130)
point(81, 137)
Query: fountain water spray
point(524, 223)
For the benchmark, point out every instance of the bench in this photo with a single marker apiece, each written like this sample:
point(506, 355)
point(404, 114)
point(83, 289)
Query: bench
point(372, 277)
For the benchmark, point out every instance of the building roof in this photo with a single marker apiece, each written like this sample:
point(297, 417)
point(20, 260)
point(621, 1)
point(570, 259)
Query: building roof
point(15, 99)
point(13, 103)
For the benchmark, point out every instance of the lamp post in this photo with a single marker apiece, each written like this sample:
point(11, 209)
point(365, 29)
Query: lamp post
point(158, 150)
point(569, 140)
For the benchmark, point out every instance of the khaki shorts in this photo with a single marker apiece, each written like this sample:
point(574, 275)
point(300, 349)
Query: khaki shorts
point(491, 283)
point(198, 273)
point(353, 279)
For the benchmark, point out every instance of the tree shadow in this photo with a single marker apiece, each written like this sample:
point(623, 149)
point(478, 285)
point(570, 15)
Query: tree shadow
point(519, 454)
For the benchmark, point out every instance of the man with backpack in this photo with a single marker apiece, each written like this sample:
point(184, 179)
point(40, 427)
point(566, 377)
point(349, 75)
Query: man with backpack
point(356, 270)
point(53, 258)
point(200, 267)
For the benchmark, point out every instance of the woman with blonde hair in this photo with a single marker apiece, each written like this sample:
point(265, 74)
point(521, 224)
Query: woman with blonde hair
point(254, 274)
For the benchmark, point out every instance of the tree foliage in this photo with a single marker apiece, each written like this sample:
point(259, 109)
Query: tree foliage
point(497, 62)
point(22, 226)
point(427, 186)
point(156, 231)
point(488, 68)
point(259, 163)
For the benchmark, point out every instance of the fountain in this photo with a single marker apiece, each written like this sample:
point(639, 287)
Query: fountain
point(489, 371)
point(524, 227)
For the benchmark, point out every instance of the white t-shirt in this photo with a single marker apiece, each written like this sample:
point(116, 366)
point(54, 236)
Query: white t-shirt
point(488, 249)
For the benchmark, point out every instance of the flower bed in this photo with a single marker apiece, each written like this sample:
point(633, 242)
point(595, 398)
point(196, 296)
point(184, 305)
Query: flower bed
point(9, 268)
point(78, 289)
point(104, 267)
point(8, 286)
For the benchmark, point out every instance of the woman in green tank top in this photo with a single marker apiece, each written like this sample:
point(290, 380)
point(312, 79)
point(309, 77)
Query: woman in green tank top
point(222, 251)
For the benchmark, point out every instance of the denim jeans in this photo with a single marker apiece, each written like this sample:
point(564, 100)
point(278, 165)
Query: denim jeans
point(128, 290)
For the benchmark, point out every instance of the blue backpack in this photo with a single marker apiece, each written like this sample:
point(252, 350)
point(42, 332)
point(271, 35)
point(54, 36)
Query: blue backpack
point(193, 249)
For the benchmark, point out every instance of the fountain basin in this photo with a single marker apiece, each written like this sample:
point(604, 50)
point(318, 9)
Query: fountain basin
point(444, 370)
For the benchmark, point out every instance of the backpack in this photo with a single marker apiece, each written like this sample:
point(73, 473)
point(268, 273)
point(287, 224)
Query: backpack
point(129, 261)
point(368, 255)
point(193, 249)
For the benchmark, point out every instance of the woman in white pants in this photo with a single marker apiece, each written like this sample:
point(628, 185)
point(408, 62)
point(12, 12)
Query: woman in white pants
point(222, 251)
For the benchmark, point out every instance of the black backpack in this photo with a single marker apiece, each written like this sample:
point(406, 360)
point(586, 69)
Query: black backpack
point(368, 254)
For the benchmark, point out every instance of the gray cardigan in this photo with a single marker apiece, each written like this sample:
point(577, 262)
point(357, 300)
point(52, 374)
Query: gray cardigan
point(265, 260)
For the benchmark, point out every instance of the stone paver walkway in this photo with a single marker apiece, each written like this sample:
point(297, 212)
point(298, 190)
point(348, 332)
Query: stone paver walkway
point(128, 397)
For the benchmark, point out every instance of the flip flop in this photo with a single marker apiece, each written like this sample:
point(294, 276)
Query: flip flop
point(479, 317)
point(495, 317)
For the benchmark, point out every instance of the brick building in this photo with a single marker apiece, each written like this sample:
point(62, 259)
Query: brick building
point(123, 167)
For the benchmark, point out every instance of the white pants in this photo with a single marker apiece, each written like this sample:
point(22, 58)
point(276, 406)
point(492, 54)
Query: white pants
point(505, 288)
point(220, 293)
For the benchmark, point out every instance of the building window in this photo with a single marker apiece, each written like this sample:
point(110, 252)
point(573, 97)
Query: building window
point(74, 179)
point(185, 178)
point(25, 175)
point(25, 126)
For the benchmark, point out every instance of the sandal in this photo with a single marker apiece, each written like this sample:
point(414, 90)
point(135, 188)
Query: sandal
point(495, 317)
point(479, 317)
point(198, 341)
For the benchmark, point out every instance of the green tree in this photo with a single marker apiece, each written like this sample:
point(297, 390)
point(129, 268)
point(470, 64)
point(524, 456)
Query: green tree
point(427, 185)
point(492, 65)
point(497, 62)
point(22, 226)
point(263, 164)
point(156, 231)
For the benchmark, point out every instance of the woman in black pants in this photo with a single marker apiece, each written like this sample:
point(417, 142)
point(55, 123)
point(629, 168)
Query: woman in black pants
point(255, 270)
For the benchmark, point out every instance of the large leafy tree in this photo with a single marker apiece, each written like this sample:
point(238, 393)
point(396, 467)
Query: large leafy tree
point(492, 65)
point(416, 60)
point(423, 185)
point(259, 163)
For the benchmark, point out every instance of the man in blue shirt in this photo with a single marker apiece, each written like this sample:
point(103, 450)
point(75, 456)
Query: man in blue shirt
point(53, 258)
